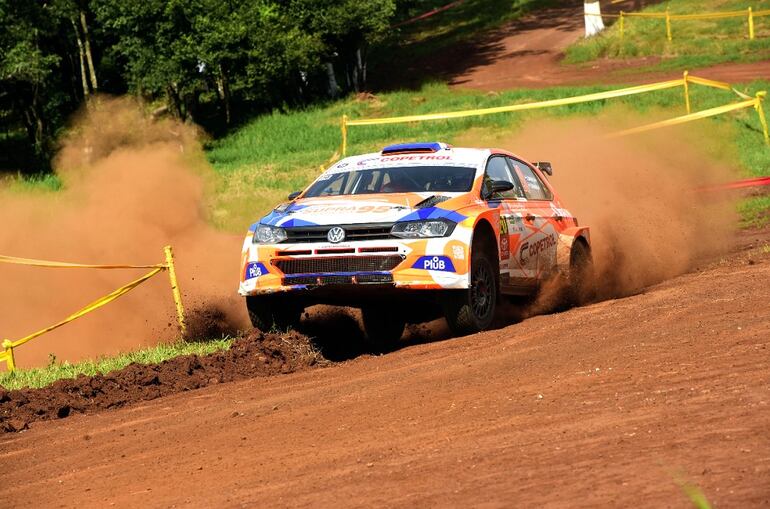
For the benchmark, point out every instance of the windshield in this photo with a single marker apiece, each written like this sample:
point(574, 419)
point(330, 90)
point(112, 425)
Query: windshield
point(403, 179)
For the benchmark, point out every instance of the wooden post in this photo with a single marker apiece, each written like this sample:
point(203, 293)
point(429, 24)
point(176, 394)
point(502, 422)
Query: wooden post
point(344, 128)
point(175, 289)
point(751, 25)
point(621, 25)
point(10, 362)
point(686, 91)
point(668, 25)
point(761, 112)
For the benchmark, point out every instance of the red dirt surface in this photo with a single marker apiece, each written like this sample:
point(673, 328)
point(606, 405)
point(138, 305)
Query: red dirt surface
point(528, 53)
point(612, 404)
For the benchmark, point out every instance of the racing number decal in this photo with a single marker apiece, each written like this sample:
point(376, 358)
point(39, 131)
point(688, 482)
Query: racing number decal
point(505, 248)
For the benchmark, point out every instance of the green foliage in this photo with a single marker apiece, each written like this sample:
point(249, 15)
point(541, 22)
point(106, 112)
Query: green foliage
point(275, 154)
point(696, 43)
point(755, 211)
point(40, 377)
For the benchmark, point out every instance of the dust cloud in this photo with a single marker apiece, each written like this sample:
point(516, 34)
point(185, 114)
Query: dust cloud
point(636, 193)
point(131, 186)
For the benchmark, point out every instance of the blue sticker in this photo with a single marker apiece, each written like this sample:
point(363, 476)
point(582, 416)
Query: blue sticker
point(434, 213)
point(254, 269)
point(442, 263)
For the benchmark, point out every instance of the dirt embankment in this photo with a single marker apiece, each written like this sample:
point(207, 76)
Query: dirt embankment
point(252, 355)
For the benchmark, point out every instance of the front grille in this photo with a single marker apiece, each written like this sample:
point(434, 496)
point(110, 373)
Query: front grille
point(332, 264)
point(371, 231)
point(332, 279)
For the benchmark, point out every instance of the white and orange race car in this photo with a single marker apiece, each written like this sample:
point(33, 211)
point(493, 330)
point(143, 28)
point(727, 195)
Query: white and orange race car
point(410, 233)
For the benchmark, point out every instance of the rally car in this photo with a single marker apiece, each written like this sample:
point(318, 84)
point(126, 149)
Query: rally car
point(412, 232)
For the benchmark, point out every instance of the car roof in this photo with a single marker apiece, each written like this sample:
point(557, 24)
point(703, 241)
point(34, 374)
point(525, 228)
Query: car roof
point(459, 156)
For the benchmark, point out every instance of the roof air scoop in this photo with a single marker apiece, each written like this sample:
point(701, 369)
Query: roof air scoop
point(415, 148)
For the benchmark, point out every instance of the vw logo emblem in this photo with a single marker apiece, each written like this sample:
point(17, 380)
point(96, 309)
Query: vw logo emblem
point(336, 235)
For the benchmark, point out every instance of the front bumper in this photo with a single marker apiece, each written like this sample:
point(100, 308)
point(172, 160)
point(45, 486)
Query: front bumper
point(415, 264)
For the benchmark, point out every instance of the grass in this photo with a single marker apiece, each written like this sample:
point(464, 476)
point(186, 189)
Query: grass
point(36, 182)
point(695, 43)
point(40, 377)
point(755, 211)
point(275, 154)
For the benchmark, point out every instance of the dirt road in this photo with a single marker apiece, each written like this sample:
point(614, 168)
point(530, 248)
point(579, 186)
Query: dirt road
point(606, 405)
point(528, 53)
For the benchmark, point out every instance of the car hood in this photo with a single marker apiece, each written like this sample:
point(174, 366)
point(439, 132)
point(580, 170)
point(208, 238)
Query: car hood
point(382, 208)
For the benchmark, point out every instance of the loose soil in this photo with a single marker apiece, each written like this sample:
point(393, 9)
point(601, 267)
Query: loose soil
point(253, 355)
point(528, 53)
point(612, 404)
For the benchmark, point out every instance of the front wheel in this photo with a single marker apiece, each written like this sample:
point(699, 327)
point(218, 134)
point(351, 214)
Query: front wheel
point(472, 310)
point(383, 327)
point(269, 312)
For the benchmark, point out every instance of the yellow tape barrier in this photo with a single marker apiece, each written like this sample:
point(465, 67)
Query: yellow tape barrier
point(755, 103)
point(7, 355)
point(749, 13)
point(684, 82)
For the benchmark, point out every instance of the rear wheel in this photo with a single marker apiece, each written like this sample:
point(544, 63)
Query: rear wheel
point(268, 312)
point(383, 326)
point(472, 310)
point(581, 284)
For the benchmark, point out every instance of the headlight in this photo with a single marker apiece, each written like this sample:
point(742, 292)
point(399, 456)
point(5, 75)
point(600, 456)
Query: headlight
point(423, 229)
point(269, 234)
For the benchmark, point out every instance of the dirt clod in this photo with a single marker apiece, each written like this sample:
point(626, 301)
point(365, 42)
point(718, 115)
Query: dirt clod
point(282, 353)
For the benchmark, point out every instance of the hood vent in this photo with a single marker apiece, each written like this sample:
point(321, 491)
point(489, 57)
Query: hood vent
point(431, 202)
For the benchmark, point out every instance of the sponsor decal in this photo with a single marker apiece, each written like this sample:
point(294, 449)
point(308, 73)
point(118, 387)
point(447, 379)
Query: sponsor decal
point(336, 235)
point(505, 250)
point(532, 249)
point(458, 252)
point(348, 209)
point(254, 270)
point(441, 263)
point(416, 157)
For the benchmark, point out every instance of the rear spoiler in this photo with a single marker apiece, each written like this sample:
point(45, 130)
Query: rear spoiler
point(545, 167)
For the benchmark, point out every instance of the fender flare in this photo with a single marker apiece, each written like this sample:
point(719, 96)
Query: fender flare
point(567, 239)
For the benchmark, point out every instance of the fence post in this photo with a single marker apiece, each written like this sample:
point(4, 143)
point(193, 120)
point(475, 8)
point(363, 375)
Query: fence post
point(175, 289)
point(761, 112)
point(344, 128)
point(686, 90)
point(751, 25)
point(10, 362)
point(621, 25)
point(668, 25)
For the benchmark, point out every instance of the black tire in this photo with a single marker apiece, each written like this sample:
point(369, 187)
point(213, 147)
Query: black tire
point(270, 312)
point(581, 283)
point(383, 327)
point(473, 310)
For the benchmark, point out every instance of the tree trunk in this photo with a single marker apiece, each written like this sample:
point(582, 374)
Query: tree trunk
point(83, 78)
point(361, 63)
point(224, 92)
point(334, 88)
point(89, 58)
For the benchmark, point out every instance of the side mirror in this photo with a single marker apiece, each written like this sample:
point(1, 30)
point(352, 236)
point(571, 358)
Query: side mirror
point(496, 186)
point(293, 195)
point(545, 168)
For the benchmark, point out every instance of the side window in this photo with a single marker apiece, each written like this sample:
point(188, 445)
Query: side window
point(534, 188)
point(497, 169)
